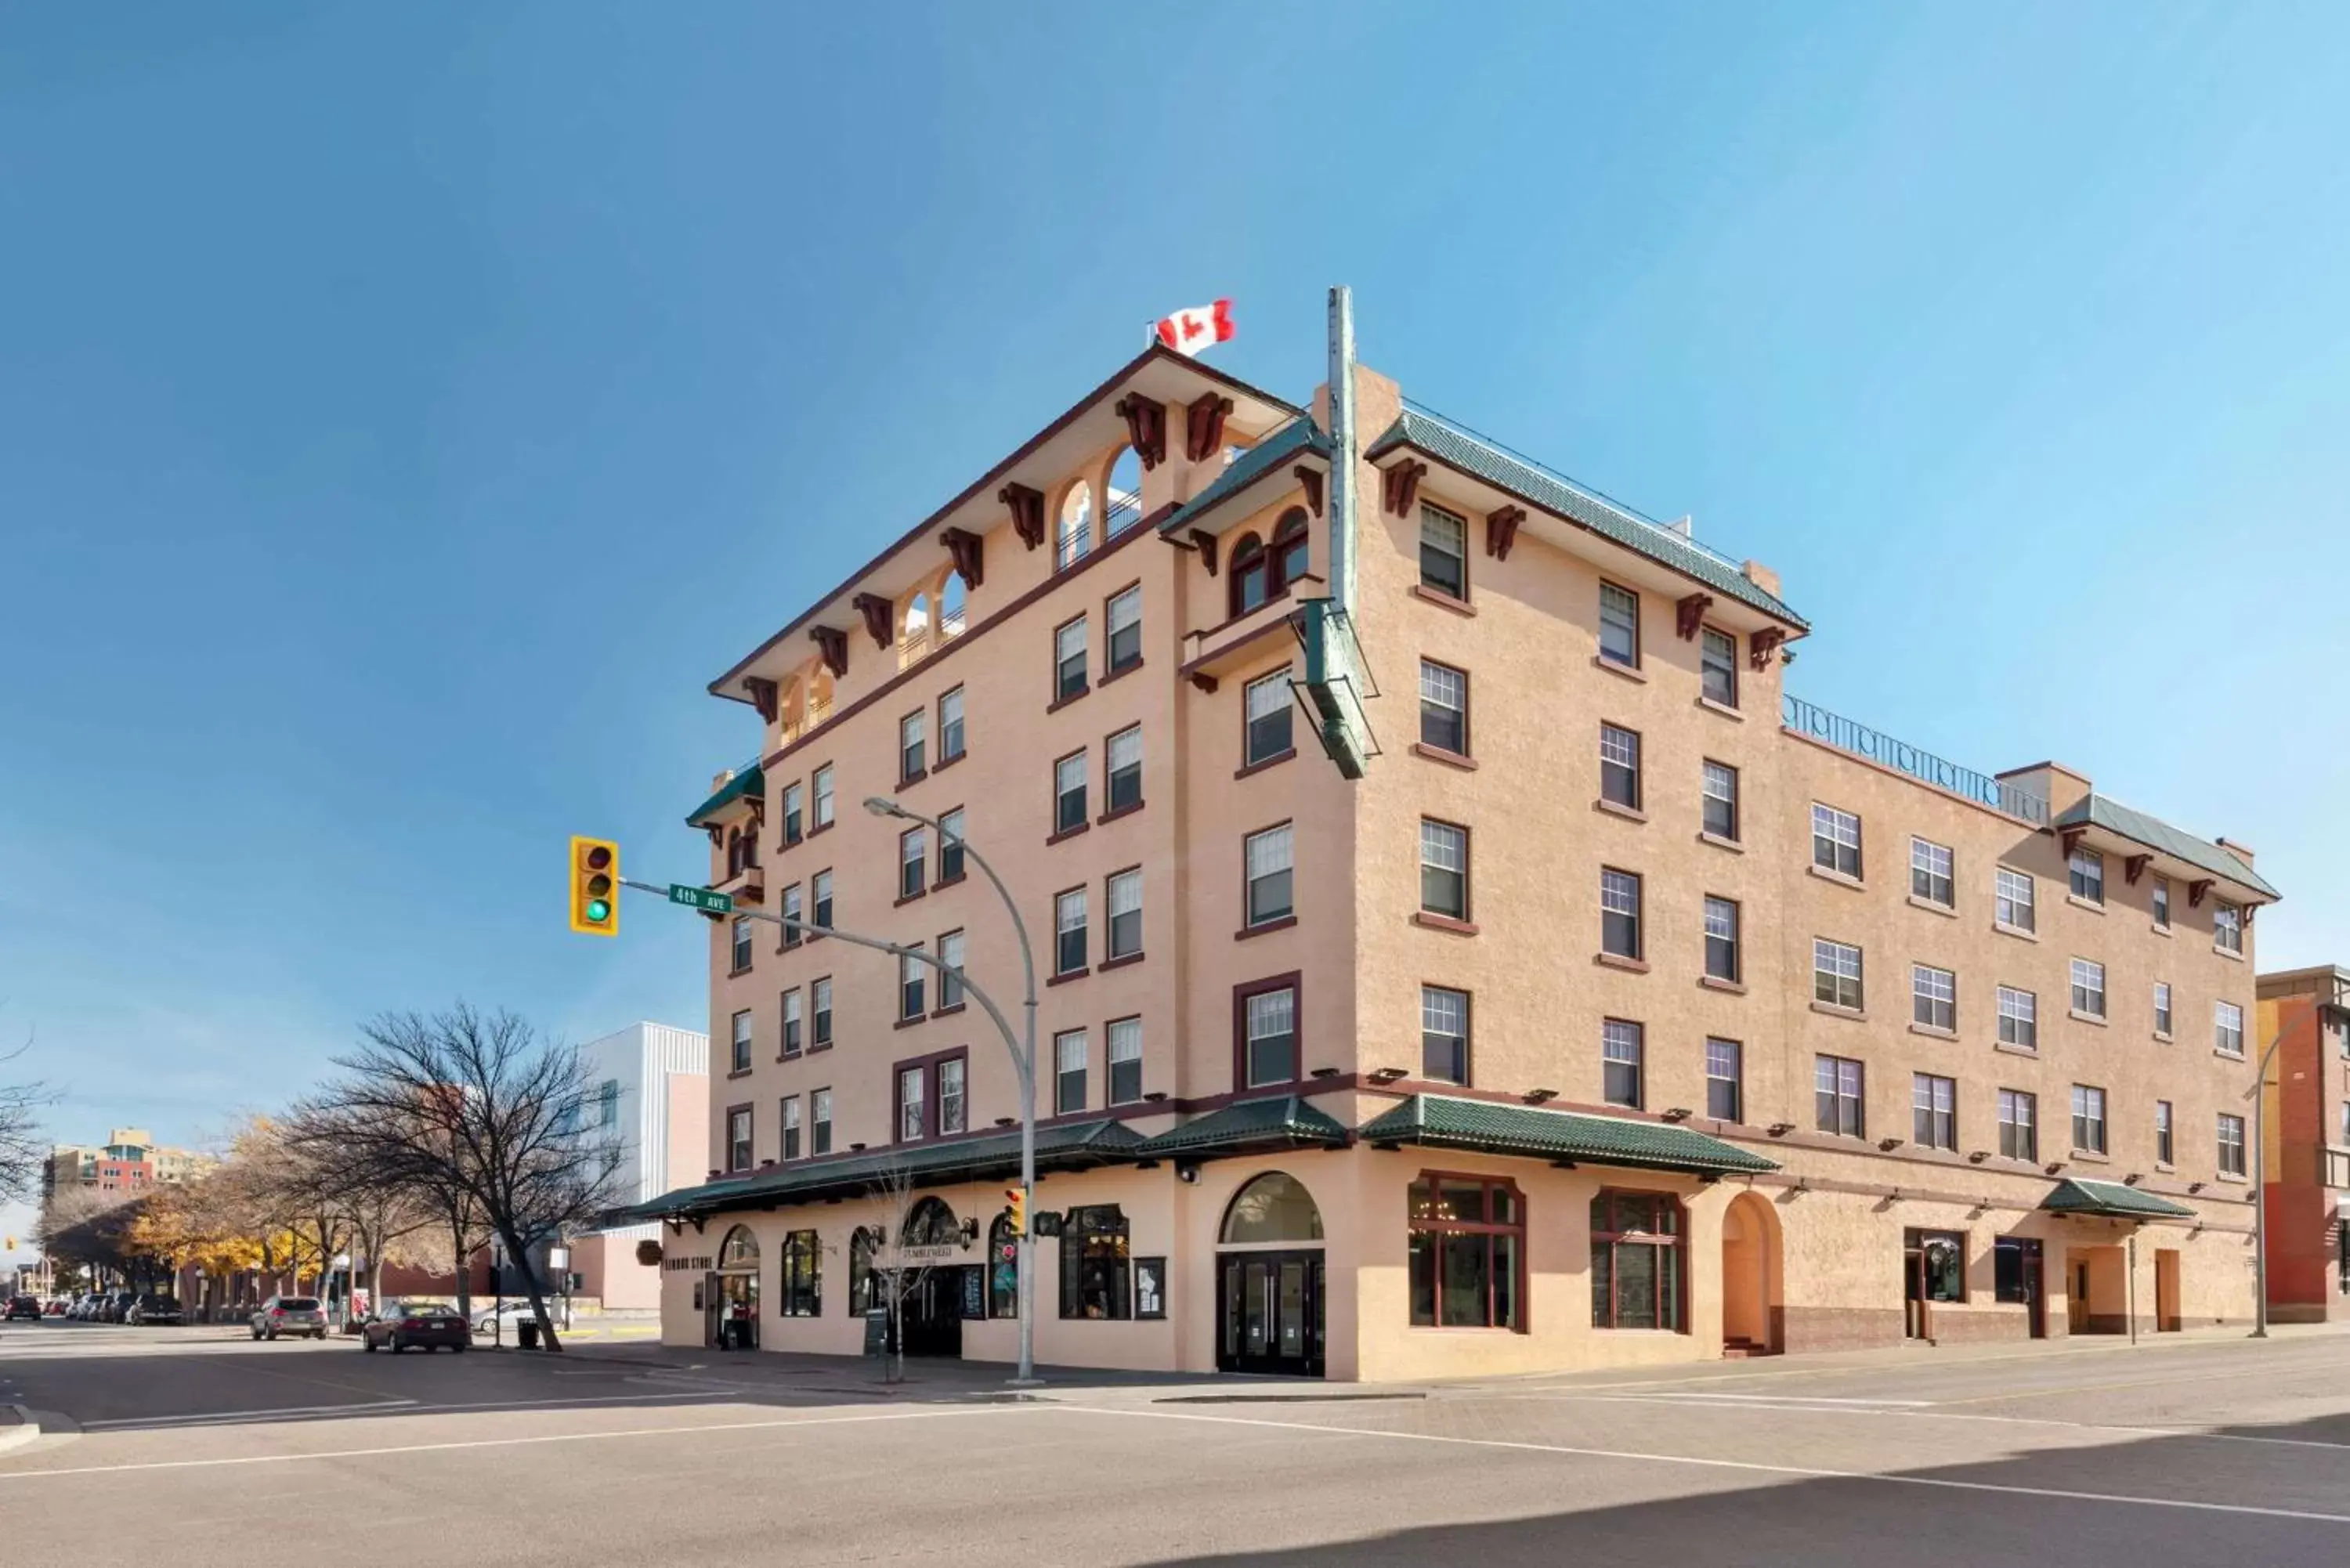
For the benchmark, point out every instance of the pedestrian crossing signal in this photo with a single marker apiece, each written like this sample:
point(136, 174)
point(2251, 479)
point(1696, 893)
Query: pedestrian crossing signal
point(595, 886)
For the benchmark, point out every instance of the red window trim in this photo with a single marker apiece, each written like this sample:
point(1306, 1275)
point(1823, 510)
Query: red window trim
point(1293, 982)
point(1677, 1243)
point(1472, 1228)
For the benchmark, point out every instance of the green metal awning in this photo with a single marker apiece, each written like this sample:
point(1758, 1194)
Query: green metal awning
point(2111, 1200)
point(1441, 1121)
point(1298, 438)
point(1287, 1121)
point(2124, 822)
point(749, 783)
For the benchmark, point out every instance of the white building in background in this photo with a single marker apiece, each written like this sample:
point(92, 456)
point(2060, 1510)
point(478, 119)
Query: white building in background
point(650, 1090)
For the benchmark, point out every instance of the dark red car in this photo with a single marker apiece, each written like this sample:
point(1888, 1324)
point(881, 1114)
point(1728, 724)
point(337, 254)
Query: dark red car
point(424, 1325)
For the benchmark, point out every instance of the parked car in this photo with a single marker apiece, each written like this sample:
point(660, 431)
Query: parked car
point(512, 1313)
point(119, 1305)
point(150, 1310)
point(23, 1306)
point(414, 1325)
point(54, 1307)
point(289, 1315)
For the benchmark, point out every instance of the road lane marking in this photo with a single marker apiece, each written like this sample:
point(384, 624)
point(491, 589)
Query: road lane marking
point(7, 1475)
point(1747, 1466)
point(194, 1416)
point(389, 1406)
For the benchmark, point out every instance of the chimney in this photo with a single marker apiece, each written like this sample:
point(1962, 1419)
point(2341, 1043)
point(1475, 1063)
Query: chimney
point(2054, 783)
point(2239, 851)
point(1760, 575)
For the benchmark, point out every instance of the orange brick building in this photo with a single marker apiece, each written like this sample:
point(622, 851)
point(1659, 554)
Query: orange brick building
point(2307, 1160)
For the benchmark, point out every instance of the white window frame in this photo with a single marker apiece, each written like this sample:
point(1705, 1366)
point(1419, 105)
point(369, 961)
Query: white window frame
point(2088, 985)
point(1260, 851)
point(1934, 865)
point(1837, 962)
point(2015, 892)
point(1934, 997)
point(1835, 833)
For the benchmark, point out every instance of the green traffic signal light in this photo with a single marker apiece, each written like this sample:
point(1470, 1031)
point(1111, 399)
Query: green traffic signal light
point(600, 910)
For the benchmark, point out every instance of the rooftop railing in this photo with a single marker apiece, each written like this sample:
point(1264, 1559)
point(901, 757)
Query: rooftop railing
point(1850, 735)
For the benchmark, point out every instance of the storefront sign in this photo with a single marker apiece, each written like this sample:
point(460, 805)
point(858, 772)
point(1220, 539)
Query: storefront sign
point(914, 1256)
point(685, 1265)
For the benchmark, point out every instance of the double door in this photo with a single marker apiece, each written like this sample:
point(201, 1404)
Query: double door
point(1269, 1308)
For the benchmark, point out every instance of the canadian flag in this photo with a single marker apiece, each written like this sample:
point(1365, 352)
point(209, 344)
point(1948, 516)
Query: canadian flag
point(1189, 331)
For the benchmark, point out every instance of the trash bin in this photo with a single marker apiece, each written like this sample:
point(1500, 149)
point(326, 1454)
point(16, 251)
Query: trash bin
point(527, 1333)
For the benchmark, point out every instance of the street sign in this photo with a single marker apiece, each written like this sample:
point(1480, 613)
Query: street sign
point(702, 898)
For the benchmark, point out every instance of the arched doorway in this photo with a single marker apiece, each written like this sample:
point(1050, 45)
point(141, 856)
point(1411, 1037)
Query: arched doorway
point(1754, 1320)
point(1269, 1297)
point(730, 1295)
point(928, 1279)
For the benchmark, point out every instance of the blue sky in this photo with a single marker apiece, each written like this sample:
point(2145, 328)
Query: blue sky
point(405, 411)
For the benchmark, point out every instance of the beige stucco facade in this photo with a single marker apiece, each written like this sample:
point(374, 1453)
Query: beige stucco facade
point(1810, 1255)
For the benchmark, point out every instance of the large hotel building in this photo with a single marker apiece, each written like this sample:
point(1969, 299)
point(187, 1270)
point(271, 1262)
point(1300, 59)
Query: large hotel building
point(1457, 957)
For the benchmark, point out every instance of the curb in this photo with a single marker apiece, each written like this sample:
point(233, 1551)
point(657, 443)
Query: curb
point(26, 1430)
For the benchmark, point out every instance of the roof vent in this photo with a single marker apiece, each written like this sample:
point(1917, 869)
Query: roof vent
point(1683, 526)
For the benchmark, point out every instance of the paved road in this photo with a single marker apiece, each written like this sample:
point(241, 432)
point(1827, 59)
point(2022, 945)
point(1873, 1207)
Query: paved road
point(2173, 1453)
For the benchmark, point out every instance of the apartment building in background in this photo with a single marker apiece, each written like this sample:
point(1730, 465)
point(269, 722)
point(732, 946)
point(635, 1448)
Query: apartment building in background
point(1600, 1003)
point(130, 1160)
point(2306, 1164)
point(650, 1090)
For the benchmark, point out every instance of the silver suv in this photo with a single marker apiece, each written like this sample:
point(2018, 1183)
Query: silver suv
point(289, 1315)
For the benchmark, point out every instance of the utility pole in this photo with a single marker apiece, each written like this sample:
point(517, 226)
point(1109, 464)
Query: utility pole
point(2260, 1097)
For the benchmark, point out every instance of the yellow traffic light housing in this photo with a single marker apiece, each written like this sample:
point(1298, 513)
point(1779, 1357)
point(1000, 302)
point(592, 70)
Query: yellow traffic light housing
point(595, 886)
point(1018, 1198)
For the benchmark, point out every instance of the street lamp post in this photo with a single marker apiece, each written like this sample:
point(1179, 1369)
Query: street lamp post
point(2259, 1098)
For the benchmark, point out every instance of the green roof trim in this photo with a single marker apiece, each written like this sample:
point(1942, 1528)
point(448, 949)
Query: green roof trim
point(1287, 1121)
point(2112, 1200)
point(1470, 453)
point(1441, 1121)
point(749, 783)
point(1070, 1145)
point(1296, 438)
point(2103, 811)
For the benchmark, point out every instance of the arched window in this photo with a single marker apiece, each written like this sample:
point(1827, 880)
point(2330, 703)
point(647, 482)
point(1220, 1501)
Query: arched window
point(1290, 554)
point(740, 1250)
point(914, 638)
point(1251, 574)
point(1076, 535)
point(819, 699)
point(1276, 1207)
point(1002, 1269)
point(791, 708)
point(931, 1224)
point(1124, 508)
point(952, 599)
point(862, 1293)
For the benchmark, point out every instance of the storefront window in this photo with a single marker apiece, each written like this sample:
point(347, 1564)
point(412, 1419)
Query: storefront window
point(1002, 1269)
point(1095, 1281)
point(1467, 1249)
point(802, 1275)
point(1635, 1261)
point(862, 1297)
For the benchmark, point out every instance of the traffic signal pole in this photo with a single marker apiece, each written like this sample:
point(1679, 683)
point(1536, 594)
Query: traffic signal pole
point(1023, 1065)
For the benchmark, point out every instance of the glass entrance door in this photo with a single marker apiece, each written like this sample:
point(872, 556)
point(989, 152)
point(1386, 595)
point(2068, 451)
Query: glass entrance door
point(1270, 1313)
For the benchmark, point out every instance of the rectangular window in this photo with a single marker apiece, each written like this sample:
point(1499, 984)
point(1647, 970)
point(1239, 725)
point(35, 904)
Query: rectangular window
point(950, 846)
point(1929, 871)
point(1621, 1047)
point(1069, 931)
point(913, 1117)
point(1444, 870)
point(1444, 708)
point(1619, 626)
point(820, 1013)
point(1096, 1279)
point(2014, 903)
point(1725, 1080)
point(791, 1126)
point(1933, 996)
point(1721, 787)
point(1636, 1261)
point(2232, 1144)
point(1124, 1061)
point(794, 828)
point(1125, 914)
point(1934, 1111)
point(2162, 903)
point(1443, 553)
point(741, 958)
point(1837, 1096)
point(1620, 913)
point(1722, 939)
point(913, 759)
point(913, 860)
point(951, 977)
point(738, 1139)
point(2085, 871)
point(1070, 792)
point(2088, 1118)
point(820, 887)
point(820, 783)
point(742, 1042)
point(2019, 1018)
point(1718, 667)
point(2089, 986)
point(1835, 840)
point(820, 1122)
point(1443, 1035)
point(951, 725)
point(802, 1275)
point(1836, 973)
point(1069, 661)
point(1123, 764)
point(792, 1040)
point(2227, 1028)
point(953, 1108)
point(2227, 928)
point(1467, 1252)
point(1619, 766)
point(793, 933)
point(911, 971)
point(1267, 856)
point(2019, 1124)
point(2163, 1149)
point(1269, 1025)
point(1265, 708)
point(1126, 630)
point(2162, 1008)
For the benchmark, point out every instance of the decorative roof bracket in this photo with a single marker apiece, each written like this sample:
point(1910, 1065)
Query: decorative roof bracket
point(1502, 530)
point(879, 615)
point(1027, 506)
point(1205, 542)
point(1399, 486)
point(1761, 646)
point(1146, 427)
point(763, 695)
point(1203, 425)
point(832, 642)
point(2134, 868)
point(2195, 891)
point(1689, 615)
point(1311, 478)
point(970, 553)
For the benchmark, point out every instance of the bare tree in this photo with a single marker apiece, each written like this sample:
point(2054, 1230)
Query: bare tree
point(901, 1257)
point(21, 1147)
point(339, 1178)
point(478, 1108)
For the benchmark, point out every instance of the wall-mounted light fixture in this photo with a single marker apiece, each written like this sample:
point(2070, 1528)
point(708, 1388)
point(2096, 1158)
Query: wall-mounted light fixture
point(1780, 1129)
point(1678, 1114)
point(1979, 1157)
point(1536, 1097)
point(1326, 1072)
point(1386, 1075)
point(1890, 1143)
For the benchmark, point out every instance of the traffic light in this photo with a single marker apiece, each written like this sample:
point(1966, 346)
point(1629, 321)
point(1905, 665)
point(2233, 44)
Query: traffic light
point(1017, 1197)
point(595, 886)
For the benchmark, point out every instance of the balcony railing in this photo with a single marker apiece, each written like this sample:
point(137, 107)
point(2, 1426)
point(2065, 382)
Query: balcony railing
point(1850, 735)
